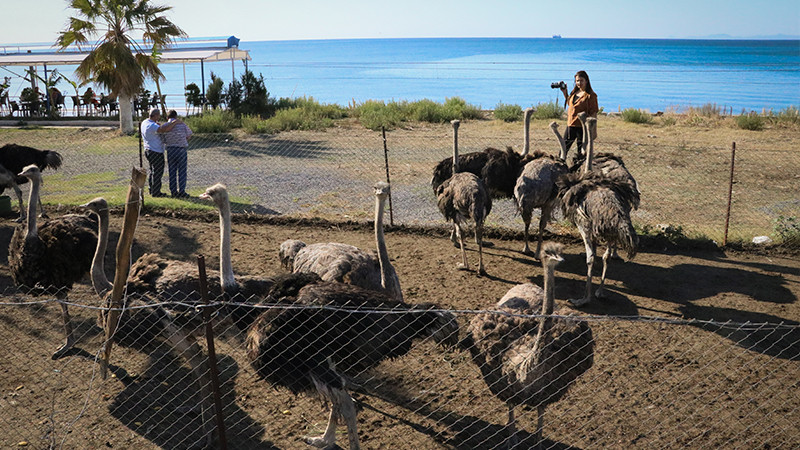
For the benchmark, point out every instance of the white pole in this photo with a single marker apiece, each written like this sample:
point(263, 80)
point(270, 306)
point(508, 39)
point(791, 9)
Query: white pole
point(185, 102)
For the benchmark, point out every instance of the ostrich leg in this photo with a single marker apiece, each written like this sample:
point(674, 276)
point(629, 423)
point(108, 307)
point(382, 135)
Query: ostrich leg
point(590, 250)
point(546, 211)
point(70, 338)
point(460, 234)
point(610, 251)
point(526, 219)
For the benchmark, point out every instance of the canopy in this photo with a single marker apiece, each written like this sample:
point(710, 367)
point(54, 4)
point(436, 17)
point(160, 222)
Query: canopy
point(180, 55)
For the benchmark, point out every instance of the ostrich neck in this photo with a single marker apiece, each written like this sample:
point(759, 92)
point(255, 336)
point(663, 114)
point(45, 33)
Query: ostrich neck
point(547, 309)
point(226, 267)
point(587, 165)
point(33, 197)
point(455, 151)
point(526, 135)
point(99, 280)
point(387, 271)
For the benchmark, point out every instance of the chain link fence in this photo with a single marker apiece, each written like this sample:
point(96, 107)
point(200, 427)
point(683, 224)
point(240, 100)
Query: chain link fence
point(688, 383)
point(327, 174)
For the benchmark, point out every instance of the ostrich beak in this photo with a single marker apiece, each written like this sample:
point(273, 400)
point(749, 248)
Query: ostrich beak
point(204, 196)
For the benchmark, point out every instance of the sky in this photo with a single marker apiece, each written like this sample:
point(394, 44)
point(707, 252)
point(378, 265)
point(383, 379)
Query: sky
point(39, 21)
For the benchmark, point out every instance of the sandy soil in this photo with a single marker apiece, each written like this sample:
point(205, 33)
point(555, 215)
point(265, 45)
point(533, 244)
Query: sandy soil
point(653, 383)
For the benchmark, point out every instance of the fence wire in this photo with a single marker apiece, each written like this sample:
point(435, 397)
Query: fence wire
point(329, 174)
point(652, 382)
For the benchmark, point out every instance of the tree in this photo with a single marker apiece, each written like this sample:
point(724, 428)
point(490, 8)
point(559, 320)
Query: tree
point(116, 61)
point(193, 96)
point(214, 92)
point(250, 96)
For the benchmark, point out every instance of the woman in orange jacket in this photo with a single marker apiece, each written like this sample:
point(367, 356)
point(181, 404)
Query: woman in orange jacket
point(581, 99)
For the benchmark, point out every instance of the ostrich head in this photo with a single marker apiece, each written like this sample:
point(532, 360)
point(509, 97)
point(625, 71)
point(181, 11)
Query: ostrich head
point(96, 205)
point(382, 189)
point(554, 126)
point(31, 172)
point(551, 254)
point(288, 251)
point(217, 193)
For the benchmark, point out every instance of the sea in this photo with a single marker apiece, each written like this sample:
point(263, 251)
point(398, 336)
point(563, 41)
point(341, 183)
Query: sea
point(649, 74)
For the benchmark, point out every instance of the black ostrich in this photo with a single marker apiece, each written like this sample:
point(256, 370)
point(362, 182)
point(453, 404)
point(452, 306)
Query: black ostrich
point(51, 255)
point(525, 360)
point(462, 198)
point(333, 335)
point(13, 160)
point(498, 169)
point(599, 206)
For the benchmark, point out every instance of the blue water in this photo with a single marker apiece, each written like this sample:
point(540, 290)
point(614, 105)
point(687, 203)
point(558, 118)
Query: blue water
point(653, 74)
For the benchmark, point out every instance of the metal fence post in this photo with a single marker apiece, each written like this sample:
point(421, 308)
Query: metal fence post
point(730, 195)
point(386, 164)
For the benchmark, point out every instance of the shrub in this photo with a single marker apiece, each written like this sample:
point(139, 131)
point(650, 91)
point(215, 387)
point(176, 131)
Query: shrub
point(216, 121)
point(790, 116)
point(710, 110)
point(752, 121)
point(374, 114)
point(636, 116)
point(458, 108)
point(668, 121)
point(214, 93)
point(249, 96)
point(788, 230)
point(507, 113)
point(549, 110)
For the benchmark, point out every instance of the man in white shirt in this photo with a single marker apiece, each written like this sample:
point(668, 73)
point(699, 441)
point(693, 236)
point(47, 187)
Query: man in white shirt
point(154, 149)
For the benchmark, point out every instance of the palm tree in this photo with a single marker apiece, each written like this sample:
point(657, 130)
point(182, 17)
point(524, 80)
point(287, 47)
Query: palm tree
point(116, 61)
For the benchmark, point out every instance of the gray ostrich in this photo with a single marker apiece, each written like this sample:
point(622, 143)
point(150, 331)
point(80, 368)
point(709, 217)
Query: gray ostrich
point(599, 206)
point(52, 254)
point(527, 361)
point(462, 198)
point(334, 261)
point(536, 188)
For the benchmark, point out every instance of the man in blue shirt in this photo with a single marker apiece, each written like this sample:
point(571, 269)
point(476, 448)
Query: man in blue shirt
point(154, 149)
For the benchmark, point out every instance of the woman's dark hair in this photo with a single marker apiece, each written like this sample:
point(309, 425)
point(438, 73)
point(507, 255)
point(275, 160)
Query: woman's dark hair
point(172, 114)
point(583, 74)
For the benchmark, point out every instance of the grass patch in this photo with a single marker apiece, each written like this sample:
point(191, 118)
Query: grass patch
point(787, 230)
point(752, 122)
point(633, 115)
point(508, 113)
point(374, 114)
point(710, 110)
point(216, 121)
point(787, 116)
point(548, 110)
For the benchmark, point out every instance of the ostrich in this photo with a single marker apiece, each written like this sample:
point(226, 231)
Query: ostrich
point(315, 347)
point(463, 197)
point(53, 254)
point(527, 361)
point(345, 263)
point(13, 160)
point(600, 207)
point(498, 169)
point(536, 188)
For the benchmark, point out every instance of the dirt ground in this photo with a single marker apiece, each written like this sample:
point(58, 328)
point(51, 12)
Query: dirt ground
point(653, 383)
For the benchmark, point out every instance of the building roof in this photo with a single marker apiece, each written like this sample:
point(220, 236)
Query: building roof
point(176, 55)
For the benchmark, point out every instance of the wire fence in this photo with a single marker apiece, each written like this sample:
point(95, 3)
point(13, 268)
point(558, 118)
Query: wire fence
point(684, 183)
point(650, 382)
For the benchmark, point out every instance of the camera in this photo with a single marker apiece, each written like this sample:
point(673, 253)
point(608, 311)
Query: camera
point(559, 85)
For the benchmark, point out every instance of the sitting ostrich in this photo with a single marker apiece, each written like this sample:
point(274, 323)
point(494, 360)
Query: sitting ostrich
point(315, 347)
point(525, 360)
point(345, 263)
point(52, 254)
point(13, 160)
point(461, 198)
point(599, 206)
point(536, 188)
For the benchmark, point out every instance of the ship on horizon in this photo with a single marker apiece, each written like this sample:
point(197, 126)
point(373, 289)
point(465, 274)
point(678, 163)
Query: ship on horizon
point(556, 36)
